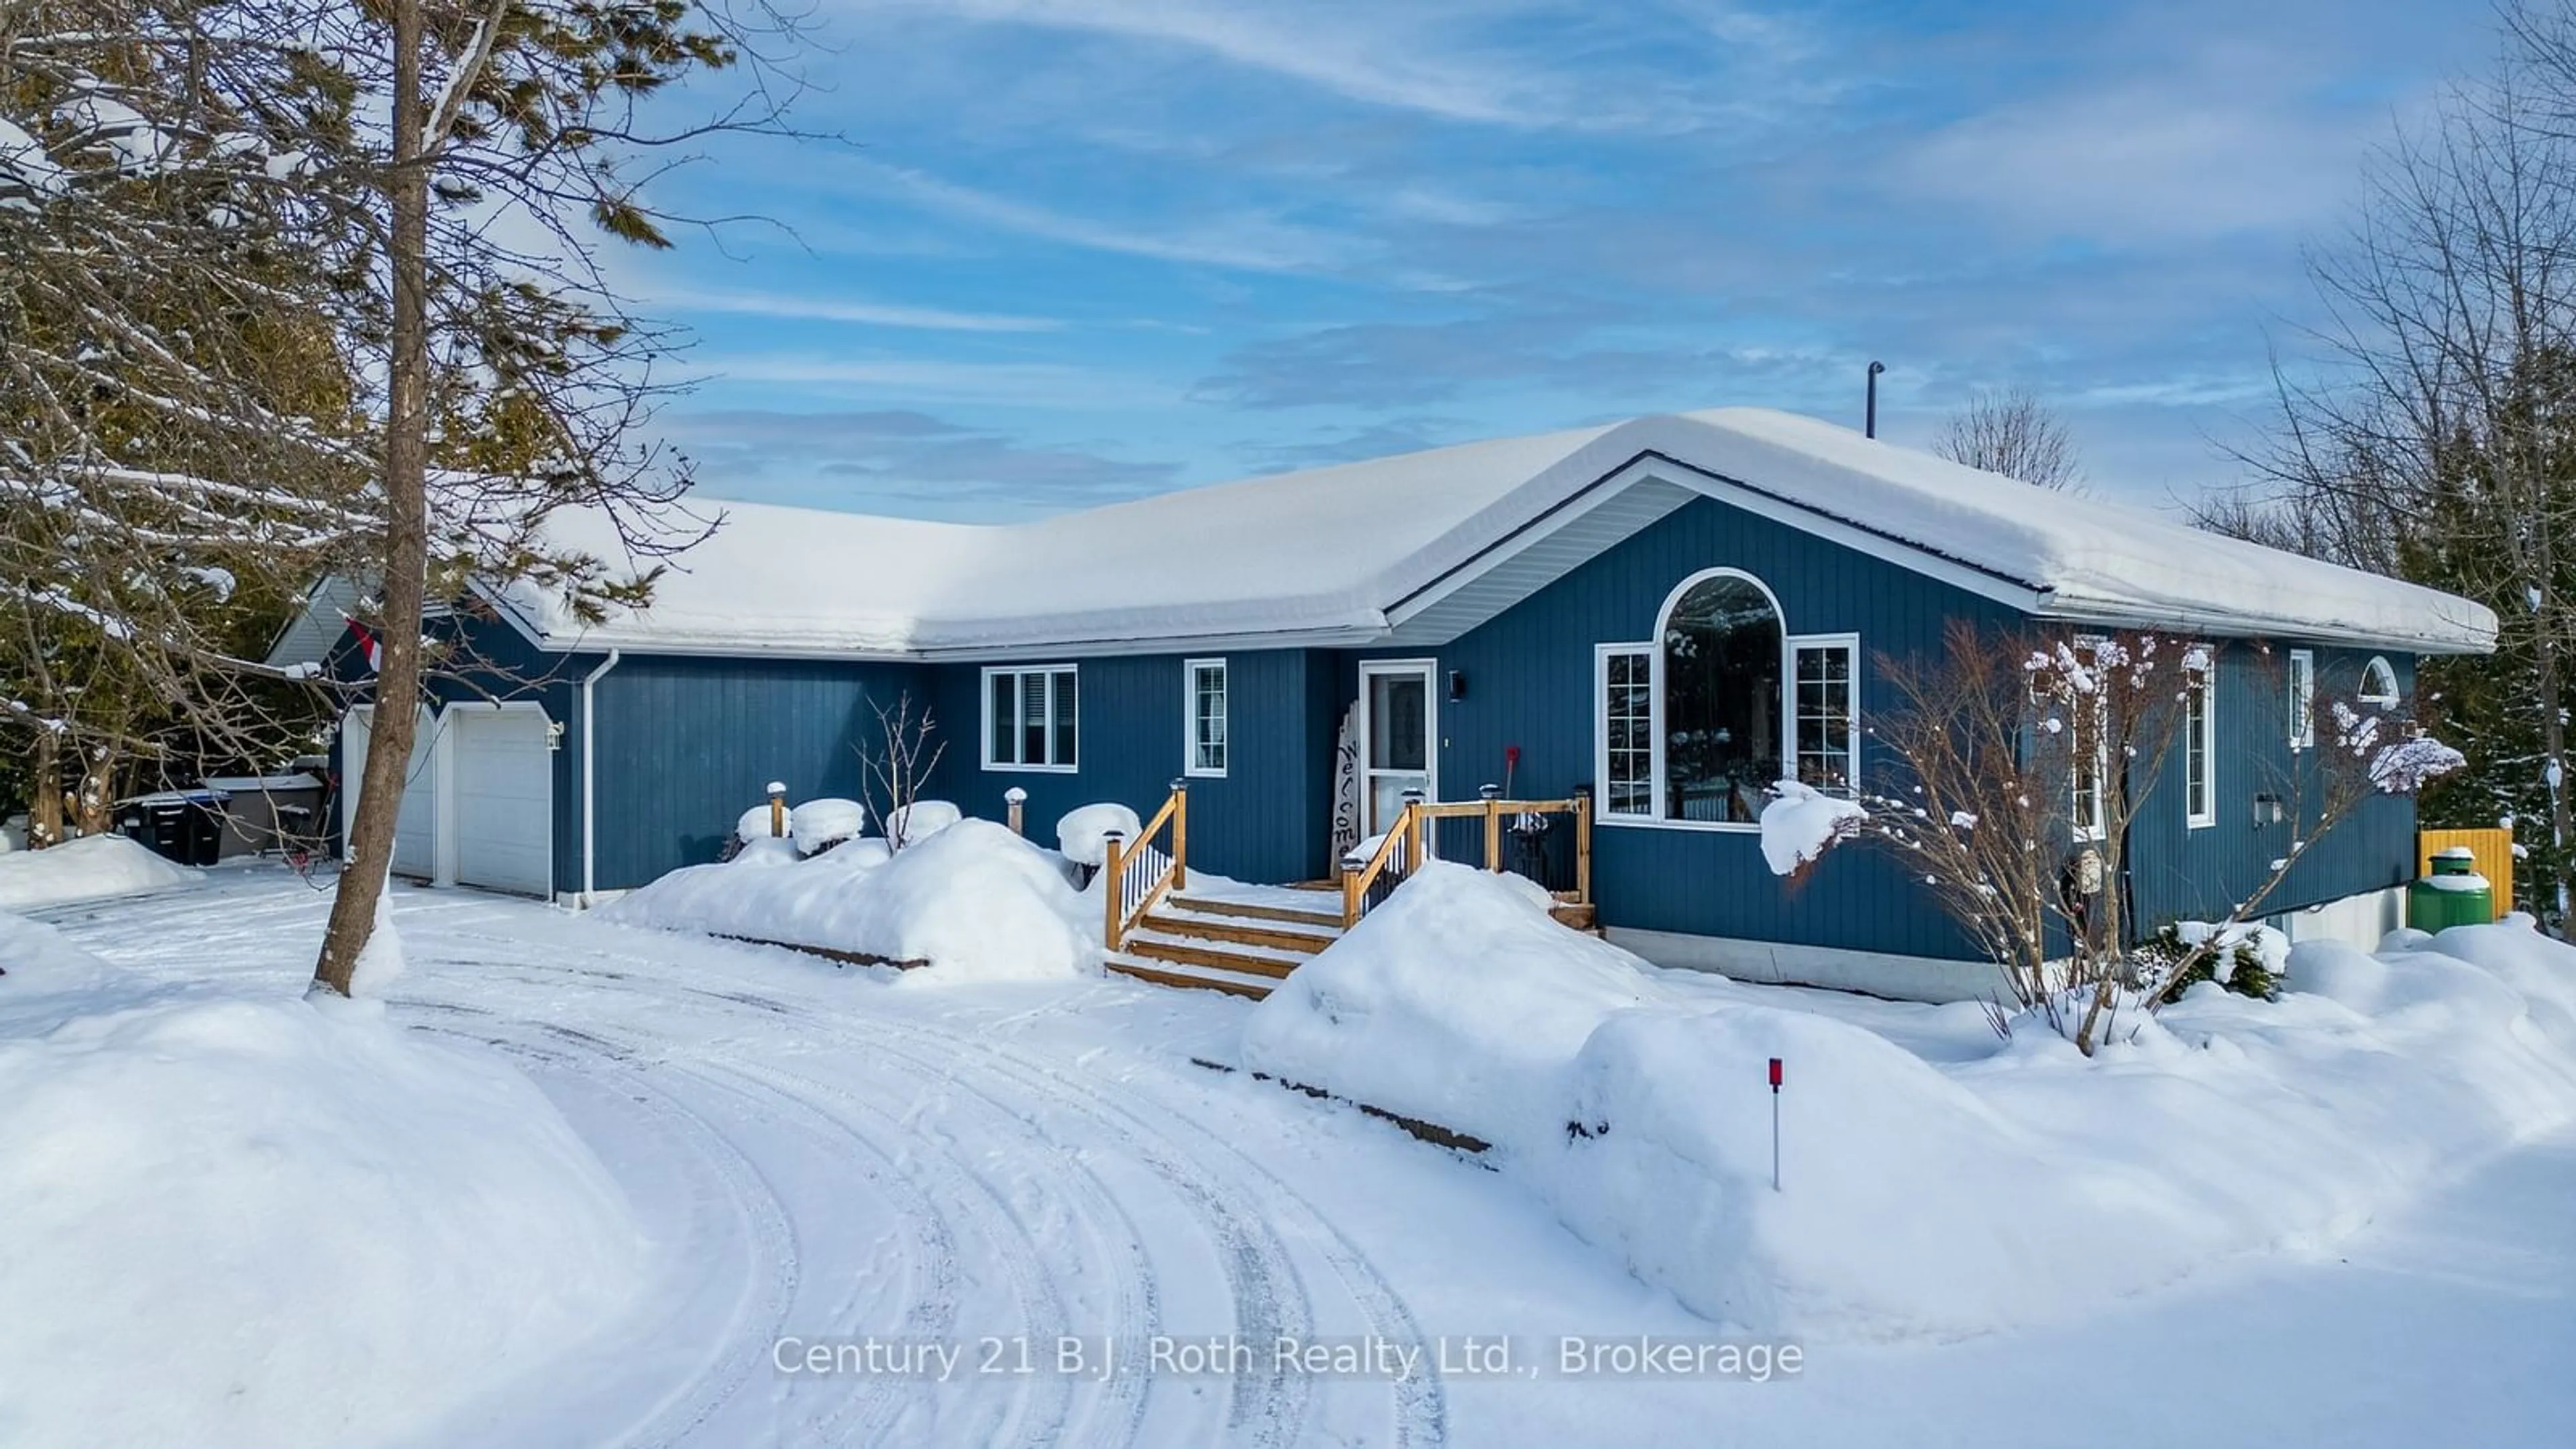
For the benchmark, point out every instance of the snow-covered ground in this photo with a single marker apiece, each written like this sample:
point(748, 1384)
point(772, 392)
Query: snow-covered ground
point(90, 868)
point(816, 1158)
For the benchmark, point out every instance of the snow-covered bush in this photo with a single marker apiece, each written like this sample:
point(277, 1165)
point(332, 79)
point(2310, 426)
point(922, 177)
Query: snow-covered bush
point(1083, 833)
point(972, 901)
point(818, 825)
point(350, 1224)
point(2250, 960)
point(912, 823)
point(1801, 824)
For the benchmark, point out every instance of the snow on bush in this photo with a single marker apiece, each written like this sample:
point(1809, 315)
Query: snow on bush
point(2004, 1183)
point(817, 824)
point(973, 902)
point(90, 868)
point(343, 1225)
point(1801, 823)
point(919, 820)
point(1083, 833)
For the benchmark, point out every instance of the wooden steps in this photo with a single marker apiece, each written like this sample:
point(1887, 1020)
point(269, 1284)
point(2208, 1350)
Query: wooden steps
point(1312, 918)
point(1244, 946)
point(1238, 946)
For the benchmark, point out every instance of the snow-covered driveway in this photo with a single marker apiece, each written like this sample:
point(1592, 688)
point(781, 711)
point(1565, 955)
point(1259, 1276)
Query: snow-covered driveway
point(827, 1159)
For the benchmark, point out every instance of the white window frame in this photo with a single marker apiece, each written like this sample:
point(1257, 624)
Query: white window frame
point(1849, 644)
point(1191, 743)
point(1653, 648)
point(1020, 673)
point(1602, 654)
point(2379, 665)
point(2303, 699)
point(2203, 734)
point(2099, 827)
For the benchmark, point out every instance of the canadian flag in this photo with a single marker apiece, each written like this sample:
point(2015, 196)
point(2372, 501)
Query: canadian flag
point(369, 645)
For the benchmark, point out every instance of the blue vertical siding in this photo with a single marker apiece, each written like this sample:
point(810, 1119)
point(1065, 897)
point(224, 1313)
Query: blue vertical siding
point(687, 744)
point(1254, 823)
point(2177, 872)
point(1529, 683)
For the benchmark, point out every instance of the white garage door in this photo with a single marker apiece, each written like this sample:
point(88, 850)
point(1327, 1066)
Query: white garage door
point(504, 799)
point(416, 823)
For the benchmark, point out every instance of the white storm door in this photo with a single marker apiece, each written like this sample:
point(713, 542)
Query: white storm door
point(1396, 752)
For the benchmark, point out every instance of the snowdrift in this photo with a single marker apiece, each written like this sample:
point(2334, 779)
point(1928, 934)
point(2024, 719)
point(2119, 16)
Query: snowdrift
point(2004, 1184)
point(347, 1226)
point(90, 868)
point(971, 902)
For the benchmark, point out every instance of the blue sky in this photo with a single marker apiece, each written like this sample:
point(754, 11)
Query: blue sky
point(1079, 250)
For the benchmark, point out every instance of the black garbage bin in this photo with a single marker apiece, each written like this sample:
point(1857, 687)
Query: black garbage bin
point(187, 827)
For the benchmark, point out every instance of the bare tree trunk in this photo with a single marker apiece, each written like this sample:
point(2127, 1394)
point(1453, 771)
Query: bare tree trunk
point(406, 547)
point(45, 793)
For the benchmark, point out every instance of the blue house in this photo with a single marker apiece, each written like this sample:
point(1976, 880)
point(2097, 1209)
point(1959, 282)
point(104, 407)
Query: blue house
point(1660, 617)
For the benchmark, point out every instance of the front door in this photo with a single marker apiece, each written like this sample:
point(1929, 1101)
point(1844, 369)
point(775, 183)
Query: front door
point(1395, 737)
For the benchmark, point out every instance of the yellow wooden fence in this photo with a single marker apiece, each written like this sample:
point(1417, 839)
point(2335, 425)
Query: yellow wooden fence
point(2493, 848)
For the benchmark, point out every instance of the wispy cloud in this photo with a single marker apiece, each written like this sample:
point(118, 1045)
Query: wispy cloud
point(1246, 242)
point(1021, 384)
point(1356, 52)
point(813, 308)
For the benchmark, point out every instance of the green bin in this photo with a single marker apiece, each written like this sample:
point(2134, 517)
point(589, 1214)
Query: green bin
point(2453, 895)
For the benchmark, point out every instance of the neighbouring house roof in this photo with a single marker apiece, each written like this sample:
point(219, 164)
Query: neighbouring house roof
point(1418, 548)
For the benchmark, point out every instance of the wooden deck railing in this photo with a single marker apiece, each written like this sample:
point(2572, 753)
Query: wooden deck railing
point(1412, 840)
point(1398, 850)
point(1136, 876)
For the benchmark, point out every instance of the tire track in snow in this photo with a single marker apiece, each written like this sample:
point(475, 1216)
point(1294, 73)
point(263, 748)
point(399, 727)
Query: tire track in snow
point(1261, 1278)
point(770, 1230)
point(1242, 1207)
point(1422, 1409)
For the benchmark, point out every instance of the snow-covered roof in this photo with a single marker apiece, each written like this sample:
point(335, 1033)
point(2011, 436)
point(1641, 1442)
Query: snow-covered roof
point(1338, 554)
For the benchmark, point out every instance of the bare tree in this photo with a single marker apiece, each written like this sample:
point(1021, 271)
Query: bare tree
point(2010, 431)
point(907, 750)
point(2433, 432)
point(2024, 758)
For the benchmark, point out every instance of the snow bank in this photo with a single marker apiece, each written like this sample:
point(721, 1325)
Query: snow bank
point(37, 967)
point(973, 901)
point(87, 869)
point(2001, 1185)
point(1083, 833)
point(1458, 1001)
point(346, 1227)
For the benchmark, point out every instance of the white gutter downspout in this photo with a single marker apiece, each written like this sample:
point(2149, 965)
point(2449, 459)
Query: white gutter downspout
point(589, 753)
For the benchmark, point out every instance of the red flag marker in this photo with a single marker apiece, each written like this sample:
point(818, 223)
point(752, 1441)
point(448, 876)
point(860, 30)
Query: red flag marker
point(1775, 1124)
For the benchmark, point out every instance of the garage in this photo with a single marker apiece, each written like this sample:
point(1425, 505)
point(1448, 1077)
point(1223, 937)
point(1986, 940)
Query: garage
point(416, 823)
point(504, 797)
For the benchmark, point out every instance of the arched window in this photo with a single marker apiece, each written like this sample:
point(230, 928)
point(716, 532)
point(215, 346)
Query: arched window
point(1722, 649)
point(2379, 684)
